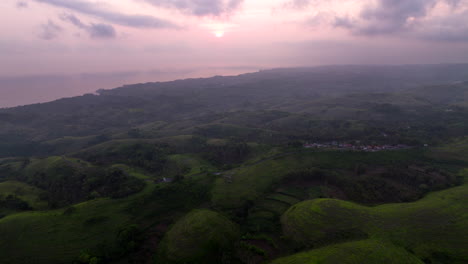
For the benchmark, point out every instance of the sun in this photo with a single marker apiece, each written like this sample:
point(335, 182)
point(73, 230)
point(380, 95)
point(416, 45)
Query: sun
point(218, 29)
point(219, 33)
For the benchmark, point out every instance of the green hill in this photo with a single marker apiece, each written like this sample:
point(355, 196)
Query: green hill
point(17, 196)
point(199, 237)
point(61, 236)
point(356, 252)
point(428, 228)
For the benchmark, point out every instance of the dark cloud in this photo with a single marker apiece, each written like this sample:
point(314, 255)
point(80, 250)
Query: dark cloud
point(21, 4)
point(138, 21)
point(343, 22)
point(409, 18)
point(101, 31)
point(73, 19)
point(95, 30)
point(391, 16)
point(200, 7)
point(387, 16)
point(50, 30)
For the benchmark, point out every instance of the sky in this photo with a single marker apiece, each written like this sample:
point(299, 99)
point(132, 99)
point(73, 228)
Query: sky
point(187, 38)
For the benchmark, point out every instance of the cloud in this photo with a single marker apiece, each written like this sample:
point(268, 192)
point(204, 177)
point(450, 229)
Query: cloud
point(73, 19)
point(319, 19)
point(21, 4)
point(415, 18)
point(452, 28)
point(101, 31)
point(93, 9)
point(391, 16)
point(200, 7)
point(429, 20)
point(298, 4)
point(95, 30)
point(50, 30)
point(343, 22)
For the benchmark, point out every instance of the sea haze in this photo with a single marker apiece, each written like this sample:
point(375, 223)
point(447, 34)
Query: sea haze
point(24, 90)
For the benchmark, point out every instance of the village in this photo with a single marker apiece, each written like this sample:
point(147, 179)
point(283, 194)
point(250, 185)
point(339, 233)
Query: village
point(355, 147)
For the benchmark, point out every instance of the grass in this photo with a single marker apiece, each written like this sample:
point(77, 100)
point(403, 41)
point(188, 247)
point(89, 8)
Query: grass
point(293, 192)
point(194, 163)
point(316, 222)
point(25, 192)
point(9, 168)
point(110, 146)
point(198, 236)
point(95, 223)
point(219, 130)
point(60, 236)
point(283, 198)
point(54, 237)
point(431, 228)
point(456, 150)
point(69, 144)
point(132, 171)
point(273, 206)
point(52, 164)
point(264, 215)
point(251, 181)
point(216, 142)
point(364, 251)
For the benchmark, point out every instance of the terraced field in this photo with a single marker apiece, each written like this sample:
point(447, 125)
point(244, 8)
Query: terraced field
point(265, 214)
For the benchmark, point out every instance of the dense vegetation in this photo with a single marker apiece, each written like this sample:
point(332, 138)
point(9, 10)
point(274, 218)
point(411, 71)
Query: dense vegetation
point(215, 170)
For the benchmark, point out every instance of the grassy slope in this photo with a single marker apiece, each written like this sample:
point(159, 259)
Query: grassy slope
point(52, 165)
point(57, 237)
point(199, 235)
point(364, 251)
point(53, 237)
point(195, 164)
point(432, 228)
point(70, 234)
point(68, 144)
point(456, 150)
point(25, 192)
point(251, 181)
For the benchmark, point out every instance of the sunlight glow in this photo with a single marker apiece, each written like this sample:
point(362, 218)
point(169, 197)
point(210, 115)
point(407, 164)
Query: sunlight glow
point(219, 33)
point(219, 29)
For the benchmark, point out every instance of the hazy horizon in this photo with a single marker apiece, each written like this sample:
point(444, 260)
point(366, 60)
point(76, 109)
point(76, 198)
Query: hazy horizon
point(132, 41)
point(24, 90)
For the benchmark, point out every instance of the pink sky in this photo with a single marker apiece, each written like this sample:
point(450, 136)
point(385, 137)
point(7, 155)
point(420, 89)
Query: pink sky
point(83, 36)
point(58, 48)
